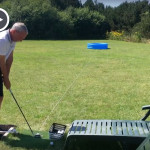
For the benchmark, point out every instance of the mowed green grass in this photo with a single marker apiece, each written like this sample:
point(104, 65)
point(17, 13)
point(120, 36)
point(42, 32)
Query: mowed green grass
point(63, 81)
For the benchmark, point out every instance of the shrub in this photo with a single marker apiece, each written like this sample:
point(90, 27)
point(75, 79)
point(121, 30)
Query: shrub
point(115, 35)
point(143, 28)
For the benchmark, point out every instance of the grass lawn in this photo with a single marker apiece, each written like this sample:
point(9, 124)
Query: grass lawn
point(61, 81)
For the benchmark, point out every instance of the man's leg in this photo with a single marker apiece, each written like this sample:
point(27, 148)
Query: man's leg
point(1, 99)
point(1, 88)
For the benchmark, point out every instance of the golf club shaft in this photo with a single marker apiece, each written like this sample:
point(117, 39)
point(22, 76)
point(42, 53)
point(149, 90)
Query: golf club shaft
point(21, 111)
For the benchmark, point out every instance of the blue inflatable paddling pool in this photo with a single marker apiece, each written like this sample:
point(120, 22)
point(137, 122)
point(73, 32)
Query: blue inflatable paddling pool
point(97, 46)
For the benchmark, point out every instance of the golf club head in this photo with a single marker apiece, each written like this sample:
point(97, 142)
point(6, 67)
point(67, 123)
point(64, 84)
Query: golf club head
point(37, 135)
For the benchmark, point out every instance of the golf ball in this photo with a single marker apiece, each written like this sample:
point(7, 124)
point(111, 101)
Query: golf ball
point(51, 143)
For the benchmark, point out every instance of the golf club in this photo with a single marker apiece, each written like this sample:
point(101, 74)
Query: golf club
point(37, 135)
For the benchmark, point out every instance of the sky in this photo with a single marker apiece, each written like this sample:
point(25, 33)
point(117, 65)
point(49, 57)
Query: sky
point(113, 3)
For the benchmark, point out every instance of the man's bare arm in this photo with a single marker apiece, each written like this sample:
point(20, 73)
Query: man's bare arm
point(9, 63)
point(4, 71)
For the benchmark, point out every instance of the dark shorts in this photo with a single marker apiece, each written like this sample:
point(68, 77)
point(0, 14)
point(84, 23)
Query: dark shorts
point(1, 84)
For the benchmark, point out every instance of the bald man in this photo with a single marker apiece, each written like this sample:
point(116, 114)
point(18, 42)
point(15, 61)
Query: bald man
point(8, 39)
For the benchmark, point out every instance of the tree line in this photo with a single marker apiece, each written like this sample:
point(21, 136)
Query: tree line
point(70, 19)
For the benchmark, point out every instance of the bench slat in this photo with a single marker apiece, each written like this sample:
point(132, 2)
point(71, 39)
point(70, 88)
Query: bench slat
point(103, 127)
point(83, 127)
point(145, 128)
point(78, 127)
point(135, 129)
point(140, 129)
point(98, 131)
point(109, 124)
point(129, 127)
point(114, 130)
point(89, 124)
point(73, 128)
point(119, 128)
point(93, 130)
point(124, 127)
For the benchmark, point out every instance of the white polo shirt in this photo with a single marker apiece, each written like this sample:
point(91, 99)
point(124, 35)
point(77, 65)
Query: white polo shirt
point(6, 44)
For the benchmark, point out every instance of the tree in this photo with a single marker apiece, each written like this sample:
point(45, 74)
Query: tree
point(143, 27)
point(1, 1)
point(63, 4)
point(126, 15)
point(110, 17)
point(39, 16)
point(88, 24)
point(89, 4)
point(100, 8)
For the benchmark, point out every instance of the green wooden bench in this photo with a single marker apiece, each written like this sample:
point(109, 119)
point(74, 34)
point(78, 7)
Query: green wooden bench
point(124, 131)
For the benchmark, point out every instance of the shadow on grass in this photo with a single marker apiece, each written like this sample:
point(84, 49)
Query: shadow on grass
point(100, 49)
point(27, 142)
